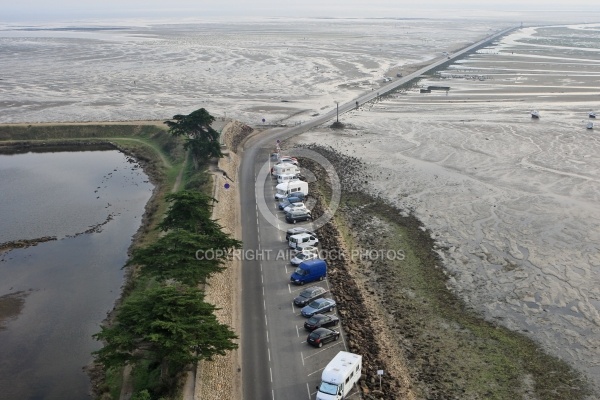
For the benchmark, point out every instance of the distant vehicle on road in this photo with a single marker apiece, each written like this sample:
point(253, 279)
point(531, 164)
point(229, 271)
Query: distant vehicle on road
point(321, 336)
point(309, 271)
point(339, 376)
point(318, 306)
point(321, 321)
point(592, 114)
point(535, 114)
point(309, 294)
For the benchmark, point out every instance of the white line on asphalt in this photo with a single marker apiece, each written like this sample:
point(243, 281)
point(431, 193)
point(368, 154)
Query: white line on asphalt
point(302, 357)
point(320, 351)
point(308, 390)
point(263, 288)
point(273, 393)
point(266, 324)
point(267, 337)
point(289, 288)
point(293, 309)
point(271, 373)
point(269, 352)
point(297, 331)
point(262, 279)
point(265, 304)
point(319, 370)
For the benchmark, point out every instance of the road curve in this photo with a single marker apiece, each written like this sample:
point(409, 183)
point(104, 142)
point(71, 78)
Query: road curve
point(257, 364)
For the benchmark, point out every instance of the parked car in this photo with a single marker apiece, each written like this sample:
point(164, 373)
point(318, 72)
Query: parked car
point(295, 206)
point(304, 255)
point(299, 195)
point(303, 240)
point(318, 306)
point(321, 321)
point(287, 159)
point(289, 200)
point(298, 216)
point(309, 294)
point(320, 336)
point(297, 231)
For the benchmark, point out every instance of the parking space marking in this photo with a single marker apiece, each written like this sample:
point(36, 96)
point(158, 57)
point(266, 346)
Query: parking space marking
point(297, 331)
point(322, 350)
point(293, 309)
point(308, 390)
point(289, 288)
point(302, 358)
point(316, 372)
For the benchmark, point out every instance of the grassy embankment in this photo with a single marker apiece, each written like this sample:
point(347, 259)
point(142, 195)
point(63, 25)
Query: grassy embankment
point(451, 350)
point(163, 160)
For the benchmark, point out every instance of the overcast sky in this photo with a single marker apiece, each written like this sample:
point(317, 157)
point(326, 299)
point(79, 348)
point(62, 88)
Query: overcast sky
point(66, 9)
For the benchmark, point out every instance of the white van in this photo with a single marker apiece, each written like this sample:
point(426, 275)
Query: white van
point(287, 178)
point(290, 188)
point(285, 169)
point(339, 376)
point(303, 240)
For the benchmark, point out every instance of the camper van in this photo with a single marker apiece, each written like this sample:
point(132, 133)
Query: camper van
point(339, 376)
point(302, 240)
point(290, 188)
point(287, 178)
point(285, 169)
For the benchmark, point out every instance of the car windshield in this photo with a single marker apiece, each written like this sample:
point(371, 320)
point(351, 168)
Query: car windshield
point(328, 388)
point(301, 256)
point(312, 320)
point(315, 304)
point(301, 271)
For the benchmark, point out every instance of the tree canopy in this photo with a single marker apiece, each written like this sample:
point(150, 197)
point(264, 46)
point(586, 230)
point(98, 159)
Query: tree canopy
point(190, 210)
point(169, 324)
point(186, 257)
point(200, 138)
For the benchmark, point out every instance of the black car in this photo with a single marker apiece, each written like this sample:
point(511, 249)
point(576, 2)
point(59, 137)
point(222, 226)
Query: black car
point(321, 321)
point(297, 215)
point(308, 295)
point(320, 336)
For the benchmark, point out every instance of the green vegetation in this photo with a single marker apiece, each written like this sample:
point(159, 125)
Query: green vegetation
point(455, 351)
point(162, 325)
point(200, 138)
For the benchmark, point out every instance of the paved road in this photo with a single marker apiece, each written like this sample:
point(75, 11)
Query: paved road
point(277, 363)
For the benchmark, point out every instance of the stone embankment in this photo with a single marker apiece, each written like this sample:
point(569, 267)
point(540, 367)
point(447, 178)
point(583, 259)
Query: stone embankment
point(365, 333)
point(221, 378)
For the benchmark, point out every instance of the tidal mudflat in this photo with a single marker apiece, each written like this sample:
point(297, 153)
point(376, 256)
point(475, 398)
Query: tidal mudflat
point(511, 200)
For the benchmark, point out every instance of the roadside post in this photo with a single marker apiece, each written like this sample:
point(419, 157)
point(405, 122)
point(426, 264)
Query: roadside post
point(380, 374)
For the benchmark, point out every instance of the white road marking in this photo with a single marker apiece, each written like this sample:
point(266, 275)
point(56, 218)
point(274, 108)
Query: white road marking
point(317, 371)
point(322, 350)
point(273, 393)
point(293, 309)
point(308, 390)
point(302, 357)
point(297, 331)
point(271, 373)
point(269, 353)
point(289, 288)
point(265, 304)
point(267, 337)
point(266, 324)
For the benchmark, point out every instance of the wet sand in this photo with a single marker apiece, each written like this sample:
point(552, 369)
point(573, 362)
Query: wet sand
point(511, 201)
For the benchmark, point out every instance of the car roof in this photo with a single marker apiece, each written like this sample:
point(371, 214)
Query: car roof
point(320, 331)
point(313, 288)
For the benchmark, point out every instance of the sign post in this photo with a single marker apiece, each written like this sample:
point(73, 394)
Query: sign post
point(380, 374)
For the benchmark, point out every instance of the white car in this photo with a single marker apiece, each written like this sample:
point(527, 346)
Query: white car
point(296, 207)
point(308, 253)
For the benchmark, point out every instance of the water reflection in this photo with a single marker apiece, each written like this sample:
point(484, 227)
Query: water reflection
point(72, 282)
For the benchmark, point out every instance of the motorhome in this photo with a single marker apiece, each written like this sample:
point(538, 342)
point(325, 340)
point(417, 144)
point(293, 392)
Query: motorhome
point(290, 188)
point(287, 178)
point(339, 376)
point(285, 169)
